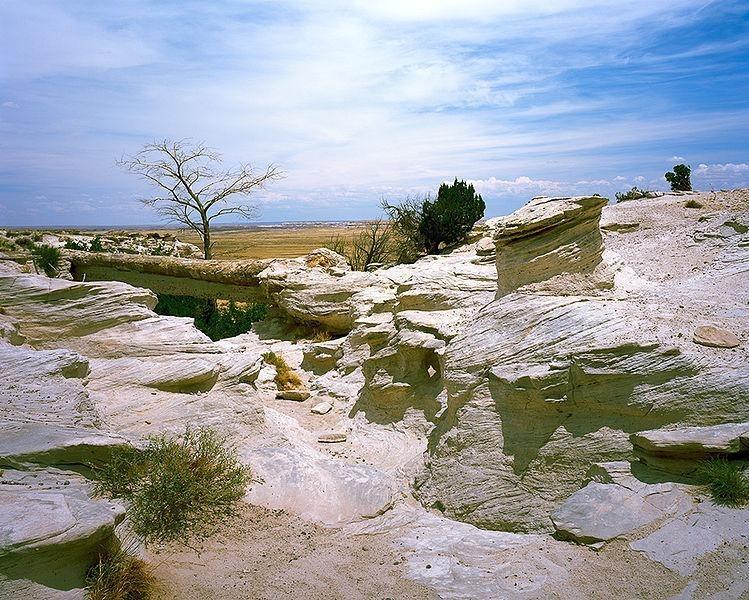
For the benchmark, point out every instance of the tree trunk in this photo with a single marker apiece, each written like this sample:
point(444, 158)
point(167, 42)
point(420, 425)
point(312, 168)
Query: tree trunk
point(206, 238)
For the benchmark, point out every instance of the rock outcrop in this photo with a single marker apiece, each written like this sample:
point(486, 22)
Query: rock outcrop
point(549, 376)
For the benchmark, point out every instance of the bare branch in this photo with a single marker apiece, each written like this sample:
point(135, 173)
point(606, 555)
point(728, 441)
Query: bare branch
point(198, 190)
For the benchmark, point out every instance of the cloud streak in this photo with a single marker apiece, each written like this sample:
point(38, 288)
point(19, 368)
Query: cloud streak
point(358, 100)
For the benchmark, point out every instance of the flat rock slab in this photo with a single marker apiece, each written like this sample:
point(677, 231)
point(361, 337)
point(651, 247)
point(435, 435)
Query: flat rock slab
point(600, 512)
point(694, 441)
point(681, 542)
point(322, 408)
point(296, 395)
point(708, 335)
point(332, 438)
point(317, 487)
point(23, 444)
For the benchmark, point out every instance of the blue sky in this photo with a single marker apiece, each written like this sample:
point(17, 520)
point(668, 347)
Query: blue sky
point(358, 100)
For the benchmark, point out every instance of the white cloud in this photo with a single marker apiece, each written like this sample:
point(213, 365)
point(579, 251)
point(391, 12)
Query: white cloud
point(9, 104)
point(675, 159)
point(721, 175)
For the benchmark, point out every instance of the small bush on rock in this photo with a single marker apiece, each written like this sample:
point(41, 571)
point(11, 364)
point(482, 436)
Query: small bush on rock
point(176, 487)
point(692, 203)
point(726, 481)
point(119, 575)
point(425, 225)
point(634, 194)
point(286, 378)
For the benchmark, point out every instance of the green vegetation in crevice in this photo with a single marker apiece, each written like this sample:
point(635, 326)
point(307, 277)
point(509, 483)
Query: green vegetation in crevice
point(726, 481)
point(177, 486)
point(216, 320)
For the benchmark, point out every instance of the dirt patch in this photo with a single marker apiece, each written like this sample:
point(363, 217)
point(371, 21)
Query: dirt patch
point(266, 554)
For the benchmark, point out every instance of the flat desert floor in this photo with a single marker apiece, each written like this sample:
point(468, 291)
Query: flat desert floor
point(270, 242)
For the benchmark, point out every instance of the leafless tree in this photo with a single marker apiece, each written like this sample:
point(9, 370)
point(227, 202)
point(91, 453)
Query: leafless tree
point(373, 245)
point(193, 187)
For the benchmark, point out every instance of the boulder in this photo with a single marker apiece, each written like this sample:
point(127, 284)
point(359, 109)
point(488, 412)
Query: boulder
point(322, 408)
point(50, 529)
point(694, 442)
point(548, 237)
point(317, 487)
point(709, 335)
point(601, 512)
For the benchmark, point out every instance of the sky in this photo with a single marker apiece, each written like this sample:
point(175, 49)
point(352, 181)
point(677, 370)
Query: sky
point(360, 100)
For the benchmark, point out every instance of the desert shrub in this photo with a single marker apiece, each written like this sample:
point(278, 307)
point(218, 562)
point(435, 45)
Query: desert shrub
point(425, 225)
point(405, 221)
point(47, 259)
point(24, 241)
point(96, 245)
point(725, 480)
point(338, 244)
point(286, 378)
point(679, 178)
point(375, 244)
point(7, 244)
point(217, 322)
point(75, 245)
point(119, 575)
point(692, 203)
point(449, 218)
point(175, 487)
point(634, 194)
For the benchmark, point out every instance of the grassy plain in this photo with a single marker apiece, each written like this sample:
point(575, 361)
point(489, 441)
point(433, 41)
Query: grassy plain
point(270, 242)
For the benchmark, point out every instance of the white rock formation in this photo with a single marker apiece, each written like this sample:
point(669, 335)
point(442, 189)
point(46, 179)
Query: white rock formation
point(543, 377)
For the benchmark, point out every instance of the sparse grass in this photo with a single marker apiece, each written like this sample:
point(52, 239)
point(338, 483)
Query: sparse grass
point(319, 334)
point(726, 481)
point(176, 487)
point(286, 378)
point(119, 575)
point(692, 203)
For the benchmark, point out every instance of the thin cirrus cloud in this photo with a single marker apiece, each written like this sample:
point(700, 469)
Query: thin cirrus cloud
point(363, 100)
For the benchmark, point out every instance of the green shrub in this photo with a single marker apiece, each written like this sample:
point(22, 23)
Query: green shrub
point(119, 575)
point(692, 203)
point(634, 194)
point(726, 481)
point(424, 225)
point(7, 244)
point(74, 245)
point(286, 378)
point(217, 322)
point(679, 178)
point(451, 216)
point(47, 259)
point(176, 487)
point(96, 245)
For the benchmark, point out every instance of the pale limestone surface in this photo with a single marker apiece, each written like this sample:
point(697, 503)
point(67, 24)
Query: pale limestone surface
point(490, 403)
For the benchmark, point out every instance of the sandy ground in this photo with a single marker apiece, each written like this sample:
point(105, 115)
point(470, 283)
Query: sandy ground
point(266, 554)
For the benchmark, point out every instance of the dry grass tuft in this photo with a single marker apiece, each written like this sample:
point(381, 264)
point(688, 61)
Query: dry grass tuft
point(119, 575)
point(692, 203)
point(286, 378)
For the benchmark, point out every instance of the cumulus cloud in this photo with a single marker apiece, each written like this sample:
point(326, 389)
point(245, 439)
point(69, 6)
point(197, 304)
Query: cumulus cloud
point(725, 175)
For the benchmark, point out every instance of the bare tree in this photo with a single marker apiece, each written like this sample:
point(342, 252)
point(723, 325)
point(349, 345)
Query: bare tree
point(194, 189)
